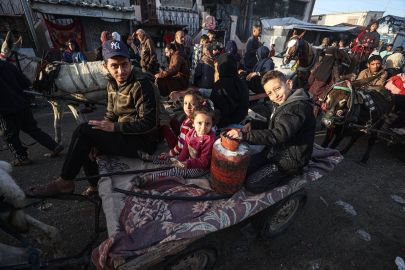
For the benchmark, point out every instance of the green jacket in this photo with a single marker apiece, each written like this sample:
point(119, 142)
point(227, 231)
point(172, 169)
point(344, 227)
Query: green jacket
point(134, 106)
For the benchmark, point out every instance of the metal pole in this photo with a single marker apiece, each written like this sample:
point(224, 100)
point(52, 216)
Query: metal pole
point(31, 25)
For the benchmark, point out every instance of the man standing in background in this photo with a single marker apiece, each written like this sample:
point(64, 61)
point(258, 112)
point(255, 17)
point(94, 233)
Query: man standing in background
point(148, 52)
point(252, 45)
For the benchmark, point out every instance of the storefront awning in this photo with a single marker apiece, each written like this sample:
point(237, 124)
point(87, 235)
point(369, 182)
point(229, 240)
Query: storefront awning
point(83, 9)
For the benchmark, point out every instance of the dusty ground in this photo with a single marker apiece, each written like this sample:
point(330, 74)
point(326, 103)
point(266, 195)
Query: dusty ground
point(323, 237)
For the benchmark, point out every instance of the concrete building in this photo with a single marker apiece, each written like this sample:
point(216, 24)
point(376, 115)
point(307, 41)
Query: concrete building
point(355, 18)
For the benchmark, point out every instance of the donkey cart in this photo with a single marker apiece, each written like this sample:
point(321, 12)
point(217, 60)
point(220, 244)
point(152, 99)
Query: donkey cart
point(148, 232)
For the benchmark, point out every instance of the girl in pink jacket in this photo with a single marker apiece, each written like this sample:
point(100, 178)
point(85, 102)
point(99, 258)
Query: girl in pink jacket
point(195, 157)
point(192, 100)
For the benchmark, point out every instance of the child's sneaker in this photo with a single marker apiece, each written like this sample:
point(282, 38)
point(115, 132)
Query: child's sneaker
point(140, 180)
point(144, 156)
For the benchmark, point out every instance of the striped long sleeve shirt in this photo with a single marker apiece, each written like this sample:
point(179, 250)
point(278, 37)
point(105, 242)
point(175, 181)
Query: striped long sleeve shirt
point(184, 129)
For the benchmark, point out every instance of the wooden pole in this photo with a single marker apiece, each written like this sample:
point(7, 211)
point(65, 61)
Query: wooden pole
point(31, 25)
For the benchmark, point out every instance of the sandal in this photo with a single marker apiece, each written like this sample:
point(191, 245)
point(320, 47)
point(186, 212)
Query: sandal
point(144, 156)
point(90, 191)
point(21, 162)
point(46, 191)
point(57, 150)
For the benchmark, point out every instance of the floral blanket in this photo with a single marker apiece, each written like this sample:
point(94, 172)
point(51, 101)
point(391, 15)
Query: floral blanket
point(139, 225)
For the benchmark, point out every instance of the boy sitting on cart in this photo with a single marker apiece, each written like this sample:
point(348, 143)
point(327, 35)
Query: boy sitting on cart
point(288, 136)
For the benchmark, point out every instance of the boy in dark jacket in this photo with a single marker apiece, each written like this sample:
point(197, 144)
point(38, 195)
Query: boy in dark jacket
point(289, 136)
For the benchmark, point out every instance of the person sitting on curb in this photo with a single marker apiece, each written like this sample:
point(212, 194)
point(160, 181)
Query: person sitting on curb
point(130, 124)
point(16, 115)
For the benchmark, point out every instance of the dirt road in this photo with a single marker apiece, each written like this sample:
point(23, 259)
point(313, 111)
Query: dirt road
point(323, 237)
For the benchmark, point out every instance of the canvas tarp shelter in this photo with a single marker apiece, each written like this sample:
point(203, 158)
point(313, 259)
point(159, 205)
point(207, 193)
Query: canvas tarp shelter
point(392, 30)
point(278, 30)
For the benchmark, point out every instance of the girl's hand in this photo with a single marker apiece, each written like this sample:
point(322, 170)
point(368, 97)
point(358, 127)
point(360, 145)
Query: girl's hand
point(247, 127)
point(183, 165)
point(179, 164)
point(165, 154)
point(234, 134)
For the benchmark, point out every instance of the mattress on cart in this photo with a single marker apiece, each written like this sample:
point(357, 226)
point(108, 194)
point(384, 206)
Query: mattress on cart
point(139, 225)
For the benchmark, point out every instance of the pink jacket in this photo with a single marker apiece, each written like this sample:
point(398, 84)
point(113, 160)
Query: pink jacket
point(197, 151)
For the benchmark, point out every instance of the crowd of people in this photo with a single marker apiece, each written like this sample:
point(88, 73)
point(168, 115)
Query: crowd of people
point(224, 77)
point(132, 120)
point(387, 66)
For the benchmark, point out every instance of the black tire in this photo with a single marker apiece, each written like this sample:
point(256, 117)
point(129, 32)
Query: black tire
point(201, 256)
point(261, 109)
point(276, 219)
point(181, 117)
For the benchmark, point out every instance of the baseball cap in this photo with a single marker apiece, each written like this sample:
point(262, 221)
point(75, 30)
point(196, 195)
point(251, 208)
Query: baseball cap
point(113, 48)
point(215, 47)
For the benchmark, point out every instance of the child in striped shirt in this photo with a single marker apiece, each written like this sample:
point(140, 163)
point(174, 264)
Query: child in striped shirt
point(195, 158)
point(192, 99)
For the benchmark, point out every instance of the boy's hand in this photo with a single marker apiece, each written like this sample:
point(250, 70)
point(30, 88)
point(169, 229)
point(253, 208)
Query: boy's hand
point(103, 125)
point(247, 127)
point(234, 134)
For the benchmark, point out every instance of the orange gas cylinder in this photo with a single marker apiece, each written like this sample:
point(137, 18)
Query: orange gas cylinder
point(229, 163)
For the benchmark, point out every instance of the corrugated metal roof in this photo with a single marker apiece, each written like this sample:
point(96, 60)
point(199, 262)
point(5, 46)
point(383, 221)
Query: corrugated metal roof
point(88, 5)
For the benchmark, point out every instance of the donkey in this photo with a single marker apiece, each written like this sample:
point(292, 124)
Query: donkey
point(11, 194)
point(306, 55)
point(84, 81)
point(348, 110)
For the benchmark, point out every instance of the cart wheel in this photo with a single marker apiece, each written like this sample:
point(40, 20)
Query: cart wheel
point(196, 258)
point(181, 117)
point(278, 218)
point(261, 109)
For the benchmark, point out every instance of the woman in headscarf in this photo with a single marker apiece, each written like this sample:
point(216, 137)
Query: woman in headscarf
point(205, 70)
point(132, 50)
point(77, 55)
point(232, 48)
point(105, 35)
point(116, 36)
point(367, 44)
point(321, 78)
point(264, 65)
point(230, 94)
